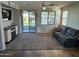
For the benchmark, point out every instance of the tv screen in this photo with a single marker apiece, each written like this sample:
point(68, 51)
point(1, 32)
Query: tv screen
point(6, 14)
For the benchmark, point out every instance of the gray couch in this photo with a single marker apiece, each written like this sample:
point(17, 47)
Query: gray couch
point(67, 36)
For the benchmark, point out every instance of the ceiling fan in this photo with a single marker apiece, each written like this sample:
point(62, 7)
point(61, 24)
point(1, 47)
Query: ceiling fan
point(44, 4)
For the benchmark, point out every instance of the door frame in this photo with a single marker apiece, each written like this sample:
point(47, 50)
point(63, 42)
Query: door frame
point(29, 21)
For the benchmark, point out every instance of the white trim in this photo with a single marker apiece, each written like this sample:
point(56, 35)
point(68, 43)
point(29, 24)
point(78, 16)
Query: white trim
point(2, 30)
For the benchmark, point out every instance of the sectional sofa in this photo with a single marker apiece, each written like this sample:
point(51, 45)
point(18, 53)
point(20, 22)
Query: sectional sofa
point(67, 36)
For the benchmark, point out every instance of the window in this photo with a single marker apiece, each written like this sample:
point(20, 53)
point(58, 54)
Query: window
point(64, 17)
point(47, 17)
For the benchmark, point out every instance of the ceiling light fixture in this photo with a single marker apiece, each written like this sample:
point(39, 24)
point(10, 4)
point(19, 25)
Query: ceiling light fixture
point(43, 6)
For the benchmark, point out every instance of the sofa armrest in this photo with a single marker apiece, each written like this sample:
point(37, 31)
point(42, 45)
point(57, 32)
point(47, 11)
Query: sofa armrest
point(58, 29)
point(77, 36)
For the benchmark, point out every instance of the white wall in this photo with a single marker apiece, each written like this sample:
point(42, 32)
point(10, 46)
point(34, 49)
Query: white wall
point(58, 16)
point(73, 15)
point(16, 18)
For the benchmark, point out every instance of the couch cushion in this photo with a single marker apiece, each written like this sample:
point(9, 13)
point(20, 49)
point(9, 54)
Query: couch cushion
point(69, 36)
point(71, 31)
point(64, 37)
point(64, 29)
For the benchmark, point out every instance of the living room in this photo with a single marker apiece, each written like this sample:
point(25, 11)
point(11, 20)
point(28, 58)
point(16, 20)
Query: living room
point(39, 28)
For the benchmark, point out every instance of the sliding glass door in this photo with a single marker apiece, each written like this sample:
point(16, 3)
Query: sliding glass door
point(29, 21)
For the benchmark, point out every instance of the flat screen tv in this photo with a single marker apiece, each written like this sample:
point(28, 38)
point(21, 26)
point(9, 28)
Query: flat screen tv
point(6, 14)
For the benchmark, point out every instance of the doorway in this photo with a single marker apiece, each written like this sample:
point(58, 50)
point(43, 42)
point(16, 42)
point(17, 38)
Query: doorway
point(29, 21)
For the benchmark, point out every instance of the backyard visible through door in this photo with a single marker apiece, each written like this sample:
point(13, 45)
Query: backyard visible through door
point(28, 21)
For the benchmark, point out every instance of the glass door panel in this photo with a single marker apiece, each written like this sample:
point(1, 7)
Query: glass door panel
point(25, 21)
point(32, 21)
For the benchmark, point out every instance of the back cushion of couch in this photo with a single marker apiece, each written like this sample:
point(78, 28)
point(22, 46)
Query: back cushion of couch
point(64, 29)
point(72, 32)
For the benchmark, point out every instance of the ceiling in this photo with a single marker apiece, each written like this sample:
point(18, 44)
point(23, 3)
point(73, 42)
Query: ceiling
point(37, 4)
